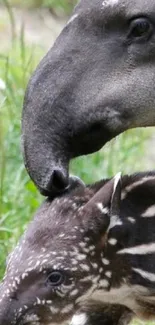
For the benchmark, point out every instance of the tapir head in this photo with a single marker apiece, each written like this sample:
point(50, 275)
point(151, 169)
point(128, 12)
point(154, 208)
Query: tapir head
point(55, 263)
point(96, 82)
point(91, 243)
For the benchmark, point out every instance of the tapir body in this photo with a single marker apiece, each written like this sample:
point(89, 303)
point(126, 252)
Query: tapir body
point(96, 82)
point(87, 255)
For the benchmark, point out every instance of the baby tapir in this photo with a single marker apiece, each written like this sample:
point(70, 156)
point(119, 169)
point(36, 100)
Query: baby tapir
point(88, 256)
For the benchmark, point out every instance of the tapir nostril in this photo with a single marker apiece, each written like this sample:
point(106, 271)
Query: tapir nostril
point(58, 181)
point(59, 184)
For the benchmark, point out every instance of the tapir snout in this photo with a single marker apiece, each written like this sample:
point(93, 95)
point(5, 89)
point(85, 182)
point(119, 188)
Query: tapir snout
point(96, 82)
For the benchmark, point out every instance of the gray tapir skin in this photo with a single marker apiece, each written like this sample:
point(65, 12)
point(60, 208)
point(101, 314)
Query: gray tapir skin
point(96, 82)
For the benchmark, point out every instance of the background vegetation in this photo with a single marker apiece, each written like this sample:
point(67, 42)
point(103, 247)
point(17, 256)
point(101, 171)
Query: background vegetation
point(18, 196)
point(57, 6)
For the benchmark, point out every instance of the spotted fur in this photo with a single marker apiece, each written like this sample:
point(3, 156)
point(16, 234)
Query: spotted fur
point(101, 239)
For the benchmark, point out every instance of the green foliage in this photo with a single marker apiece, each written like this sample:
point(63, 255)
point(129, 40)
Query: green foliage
point(64, 6)
point(19, 197)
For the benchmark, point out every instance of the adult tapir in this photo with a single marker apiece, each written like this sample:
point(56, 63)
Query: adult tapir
point(97, 81)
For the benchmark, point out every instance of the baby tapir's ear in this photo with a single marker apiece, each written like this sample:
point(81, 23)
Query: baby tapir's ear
point(116, 196)
point(103, 204)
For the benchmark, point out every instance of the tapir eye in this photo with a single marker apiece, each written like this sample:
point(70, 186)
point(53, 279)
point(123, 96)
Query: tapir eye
point(55, 278)
point(140, 28)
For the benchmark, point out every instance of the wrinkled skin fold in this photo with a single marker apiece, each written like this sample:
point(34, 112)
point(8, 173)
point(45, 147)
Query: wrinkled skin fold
point(96, 82)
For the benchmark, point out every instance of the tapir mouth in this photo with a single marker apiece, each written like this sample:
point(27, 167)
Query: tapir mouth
point(48, 162)
point(89, 143)
point(57, 181)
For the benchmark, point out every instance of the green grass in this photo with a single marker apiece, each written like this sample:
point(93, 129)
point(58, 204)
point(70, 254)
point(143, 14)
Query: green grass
point(140, 322)
point(60, 6)
point(15, 70)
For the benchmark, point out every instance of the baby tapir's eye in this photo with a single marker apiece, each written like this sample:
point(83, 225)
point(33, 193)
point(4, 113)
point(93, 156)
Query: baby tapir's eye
point(55, 278)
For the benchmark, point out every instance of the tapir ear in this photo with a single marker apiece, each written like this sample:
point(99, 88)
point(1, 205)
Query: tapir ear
point(104, 203)
point(116, 196)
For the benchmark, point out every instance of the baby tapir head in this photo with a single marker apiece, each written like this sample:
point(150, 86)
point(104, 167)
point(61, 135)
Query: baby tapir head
point(59, 260)
point(95, 242)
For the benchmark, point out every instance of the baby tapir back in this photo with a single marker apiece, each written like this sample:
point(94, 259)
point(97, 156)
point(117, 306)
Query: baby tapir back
point(95, 242)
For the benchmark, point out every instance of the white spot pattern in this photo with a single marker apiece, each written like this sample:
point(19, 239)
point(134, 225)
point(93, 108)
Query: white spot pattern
point(150, 212)
point(79, 319)
point(139, 250)
point(146, 275)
